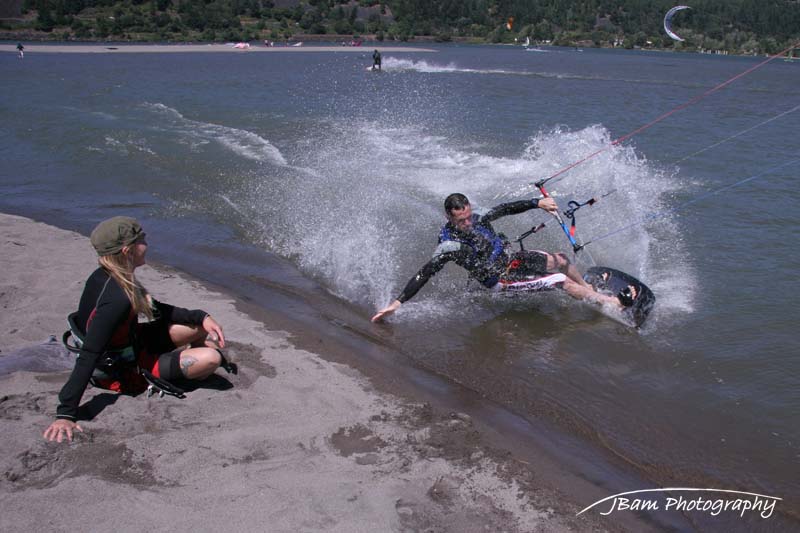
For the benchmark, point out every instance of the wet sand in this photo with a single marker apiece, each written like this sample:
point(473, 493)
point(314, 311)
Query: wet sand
point(205, 48)
point(292, 443)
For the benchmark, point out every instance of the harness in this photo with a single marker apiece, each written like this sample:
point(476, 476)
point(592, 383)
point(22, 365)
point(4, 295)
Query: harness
point(115, 367)
point(125, 354)
point(497, 244)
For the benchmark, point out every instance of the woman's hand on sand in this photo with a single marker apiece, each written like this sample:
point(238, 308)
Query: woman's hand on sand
point(386, 311)
point(214, 330)
point(61, 428)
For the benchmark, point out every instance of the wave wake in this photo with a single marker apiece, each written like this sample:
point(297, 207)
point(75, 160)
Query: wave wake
point(242, 142)
point(393, 63)
point(409, 65)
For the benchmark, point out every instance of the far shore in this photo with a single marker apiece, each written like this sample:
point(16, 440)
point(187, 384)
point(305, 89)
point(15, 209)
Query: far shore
point(109, 48)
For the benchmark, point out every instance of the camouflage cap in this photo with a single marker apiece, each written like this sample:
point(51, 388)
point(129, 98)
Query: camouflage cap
point(111, 235)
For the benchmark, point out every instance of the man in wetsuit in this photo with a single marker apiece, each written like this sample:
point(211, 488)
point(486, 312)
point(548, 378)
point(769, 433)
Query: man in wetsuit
point(469, 240)
point(376, 60)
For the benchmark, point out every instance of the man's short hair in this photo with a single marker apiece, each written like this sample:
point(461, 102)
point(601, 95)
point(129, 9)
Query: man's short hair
point(455, 201)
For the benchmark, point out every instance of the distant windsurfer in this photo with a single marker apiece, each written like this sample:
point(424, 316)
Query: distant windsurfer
point(21, 50)
point(376, 60)
point(469, 240)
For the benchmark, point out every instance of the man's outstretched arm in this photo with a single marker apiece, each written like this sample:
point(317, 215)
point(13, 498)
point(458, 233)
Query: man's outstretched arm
point(417, 282)
point(515, 208)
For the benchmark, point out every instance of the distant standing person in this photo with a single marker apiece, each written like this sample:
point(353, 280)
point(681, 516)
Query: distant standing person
point(21, 49)
point(376, 60)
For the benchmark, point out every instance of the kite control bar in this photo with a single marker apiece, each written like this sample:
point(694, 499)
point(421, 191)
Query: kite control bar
point(575, 246)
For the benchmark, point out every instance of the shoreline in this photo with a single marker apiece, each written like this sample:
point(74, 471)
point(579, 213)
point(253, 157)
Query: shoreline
point(138, 47)
point(195, 48)
point(333, 449)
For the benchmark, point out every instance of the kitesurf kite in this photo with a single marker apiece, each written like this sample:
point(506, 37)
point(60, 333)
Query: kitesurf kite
point(668, 20)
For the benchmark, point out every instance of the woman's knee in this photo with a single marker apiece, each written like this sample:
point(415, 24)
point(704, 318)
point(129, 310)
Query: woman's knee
point(199, 363)
point(181, 335)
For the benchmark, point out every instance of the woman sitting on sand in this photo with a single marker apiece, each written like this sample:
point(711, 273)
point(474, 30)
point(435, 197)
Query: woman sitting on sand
point(111, 303)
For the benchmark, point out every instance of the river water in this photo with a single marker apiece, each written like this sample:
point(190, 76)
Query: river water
point(305, 172)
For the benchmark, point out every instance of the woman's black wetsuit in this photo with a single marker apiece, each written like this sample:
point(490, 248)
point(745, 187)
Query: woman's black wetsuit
point(106, 318)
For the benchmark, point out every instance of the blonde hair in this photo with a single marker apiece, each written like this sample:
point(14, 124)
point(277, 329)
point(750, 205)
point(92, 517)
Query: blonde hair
point(120, 267)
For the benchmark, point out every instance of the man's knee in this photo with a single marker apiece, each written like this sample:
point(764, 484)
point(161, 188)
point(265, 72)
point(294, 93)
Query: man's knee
point(562, 262)
point(572, 288)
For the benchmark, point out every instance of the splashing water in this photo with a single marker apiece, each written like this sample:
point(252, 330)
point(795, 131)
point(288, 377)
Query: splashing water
point(361, 205)
point(369, 217)
point(397, 64)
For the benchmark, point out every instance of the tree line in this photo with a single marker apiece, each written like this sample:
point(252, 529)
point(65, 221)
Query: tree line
point(735, 26)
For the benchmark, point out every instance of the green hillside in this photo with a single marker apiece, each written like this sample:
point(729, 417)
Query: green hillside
point(734, 26)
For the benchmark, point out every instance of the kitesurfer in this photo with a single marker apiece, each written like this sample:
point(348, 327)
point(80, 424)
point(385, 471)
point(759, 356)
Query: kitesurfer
point(376, 60)
point(113, 338)
point(469, 240)
point(21, 50)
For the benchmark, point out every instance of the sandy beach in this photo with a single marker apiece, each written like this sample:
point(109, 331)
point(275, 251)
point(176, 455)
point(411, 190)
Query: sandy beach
point(292, 443)
point(206, 48)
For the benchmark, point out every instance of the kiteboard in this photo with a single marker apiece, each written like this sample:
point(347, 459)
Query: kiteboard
point(610, 281)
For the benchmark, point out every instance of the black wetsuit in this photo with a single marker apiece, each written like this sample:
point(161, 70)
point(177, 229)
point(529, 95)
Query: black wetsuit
point(106, 317)
point(376, 60)
point(481, 251)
